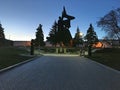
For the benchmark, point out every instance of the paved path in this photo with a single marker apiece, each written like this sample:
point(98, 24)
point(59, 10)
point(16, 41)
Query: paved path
point(60, 73)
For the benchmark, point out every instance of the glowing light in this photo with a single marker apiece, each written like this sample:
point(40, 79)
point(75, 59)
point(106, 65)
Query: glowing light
point(81, 34)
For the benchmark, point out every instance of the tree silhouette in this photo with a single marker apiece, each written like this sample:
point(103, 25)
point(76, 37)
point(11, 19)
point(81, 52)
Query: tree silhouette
point(39, 40)
point(91, 38)
point(3, 41)
point(78, 38)
point(110, 23)
point(2, 36)
point(52, 34)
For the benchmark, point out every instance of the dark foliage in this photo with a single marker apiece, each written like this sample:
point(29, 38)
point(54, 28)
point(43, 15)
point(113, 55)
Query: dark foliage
point(52, 34)
point(91, 38)
point(4, 42)
point(78, 40)
point(39, 40)
point(2, 36)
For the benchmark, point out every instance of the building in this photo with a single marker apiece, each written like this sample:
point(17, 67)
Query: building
point(106, 44)
point(22, 43)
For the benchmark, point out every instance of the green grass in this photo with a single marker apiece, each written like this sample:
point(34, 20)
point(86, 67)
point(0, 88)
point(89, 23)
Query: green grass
point(109, 57)
point(11, 55)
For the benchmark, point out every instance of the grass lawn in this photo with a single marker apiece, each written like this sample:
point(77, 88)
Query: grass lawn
point(11, 55)
point(108, 56)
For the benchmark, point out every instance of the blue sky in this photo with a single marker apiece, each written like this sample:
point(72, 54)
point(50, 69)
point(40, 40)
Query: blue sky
point(20, 18)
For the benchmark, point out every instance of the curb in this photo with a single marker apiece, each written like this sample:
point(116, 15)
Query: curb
point(59, 55)
point(18, 64)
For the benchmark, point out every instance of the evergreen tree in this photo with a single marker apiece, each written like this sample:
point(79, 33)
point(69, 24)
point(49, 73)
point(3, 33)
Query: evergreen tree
point(91, 38)
point(2, 36)
point(3, 41)
point(52, 34)
point(39, 41)
point(78, 38)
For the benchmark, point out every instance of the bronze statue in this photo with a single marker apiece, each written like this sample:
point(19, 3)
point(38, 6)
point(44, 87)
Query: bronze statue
point(64, 34)
point(64, 21)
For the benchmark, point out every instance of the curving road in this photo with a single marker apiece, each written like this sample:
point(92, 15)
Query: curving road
point(60, 73)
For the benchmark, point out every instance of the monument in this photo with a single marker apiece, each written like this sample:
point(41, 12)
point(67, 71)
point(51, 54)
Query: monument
point(63, 34)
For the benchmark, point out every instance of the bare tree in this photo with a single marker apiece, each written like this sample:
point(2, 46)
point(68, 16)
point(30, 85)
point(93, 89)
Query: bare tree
point(110, 23)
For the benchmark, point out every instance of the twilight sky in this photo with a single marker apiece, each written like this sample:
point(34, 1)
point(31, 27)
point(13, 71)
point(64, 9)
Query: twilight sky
point(20, 18)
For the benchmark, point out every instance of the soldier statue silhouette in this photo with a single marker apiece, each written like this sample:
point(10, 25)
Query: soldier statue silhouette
point(64, 34)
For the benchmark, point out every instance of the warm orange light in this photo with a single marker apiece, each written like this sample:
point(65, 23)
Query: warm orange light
point(98, 45)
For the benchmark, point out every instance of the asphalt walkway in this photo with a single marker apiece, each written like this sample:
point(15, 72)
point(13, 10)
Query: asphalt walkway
point(60, 73)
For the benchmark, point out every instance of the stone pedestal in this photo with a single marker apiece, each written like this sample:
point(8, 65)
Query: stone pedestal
point(56, 50)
